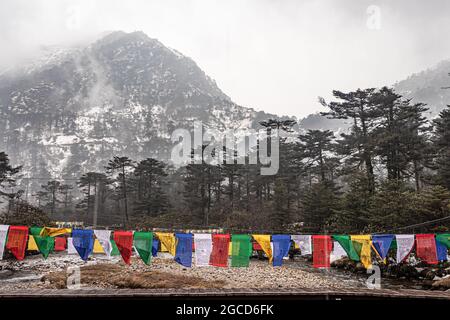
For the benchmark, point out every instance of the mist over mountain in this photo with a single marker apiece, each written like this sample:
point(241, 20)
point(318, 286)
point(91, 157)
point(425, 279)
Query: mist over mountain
point(124, 94)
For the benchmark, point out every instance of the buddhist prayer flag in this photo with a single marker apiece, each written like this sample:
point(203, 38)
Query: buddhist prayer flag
point(45, 244)
point(405, 244)
point(322, 246)
point(304, 243)
point(143, 242)
point(219, 254)
point(168, 242)
point(426, 248)
point(115, 250)
point(83, 242)
point(97, 247)
point(441, 251)
point(241, 249)
point(365, 256)
point(53, 232)
point(382, 243)
point(444, 239)
point(36, 231)
point(17, 241)
point(347, 244)
point(281, 244)
point(3, 235)
point(32, 246)
point(264, 241)
point(124, 242)
point(155, 246)
point(70, 248)
point(104, 240)
point(60, 243)
point(203, 249)
point(338, 252)
point(183, 253)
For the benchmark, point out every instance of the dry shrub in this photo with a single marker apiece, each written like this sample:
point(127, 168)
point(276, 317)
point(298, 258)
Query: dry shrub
point(117, 276)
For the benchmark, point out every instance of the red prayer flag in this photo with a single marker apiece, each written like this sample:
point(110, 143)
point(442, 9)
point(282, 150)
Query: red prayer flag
point(322, 246)
point(426, 248)
point(60, 243)
point(220, 247)
point(17, 241)
point(124, 242)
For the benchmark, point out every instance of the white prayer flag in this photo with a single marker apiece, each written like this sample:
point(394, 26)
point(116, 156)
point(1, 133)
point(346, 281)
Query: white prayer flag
point(3, 234)
point(405, 243)
point(203, 249)
point(70, 248)
point(338, 252)
point(304, 243)
point(104, 238)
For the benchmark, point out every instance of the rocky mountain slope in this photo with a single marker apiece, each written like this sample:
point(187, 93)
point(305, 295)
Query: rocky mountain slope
point(124, 94)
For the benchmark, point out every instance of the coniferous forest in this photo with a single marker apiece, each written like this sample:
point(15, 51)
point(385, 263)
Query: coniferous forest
point(390, 171)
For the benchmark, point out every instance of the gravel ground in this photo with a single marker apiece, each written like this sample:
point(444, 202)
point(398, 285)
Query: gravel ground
point(259, 275)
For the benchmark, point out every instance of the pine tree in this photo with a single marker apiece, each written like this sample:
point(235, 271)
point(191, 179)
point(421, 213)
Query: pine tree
point(442, 146)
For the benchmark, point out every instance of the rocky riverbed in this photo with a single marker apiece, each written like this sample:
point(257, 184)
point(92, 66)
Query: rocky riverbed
point(164, 272)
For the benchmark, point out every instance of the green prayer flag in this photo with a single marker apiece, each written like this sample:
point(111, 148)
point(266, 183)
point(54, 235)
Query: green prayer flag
point(444, 239)
point(348, 245)
point(143, 242)
point(36, 231)
point(241, 248)
point(45, 244)
point(115, 251)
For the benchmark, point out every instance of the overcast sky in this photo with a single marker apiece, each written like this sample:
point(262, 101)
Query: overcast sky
point(272, 55)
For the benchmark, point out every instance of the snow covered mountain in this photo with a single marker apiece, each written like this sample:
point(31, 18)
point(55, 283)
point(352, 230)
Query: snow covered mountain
point(124, 94)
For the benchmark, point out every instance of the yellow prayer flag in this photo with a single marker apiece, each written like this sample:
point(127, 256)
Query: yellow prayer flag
point(54, 232)
point(32, 246)
point(98, 247)
point(365, 255)
point(264, 241)
point(168, 242)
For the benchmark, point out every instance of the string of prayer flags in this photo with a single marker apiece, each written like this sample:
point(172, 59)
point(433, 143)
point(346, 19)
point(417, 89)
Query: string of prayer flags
point(60, 243)
point(155, 245)
point(405, 244)
point(3, 235)
point(365, 255)
point(203, 249)
point(241, 249)
point(382, 243)
point(444, 239)
point(168, 242)
point(281, 244)
point(264, 241)
point(104, 239)
point(143, 242)
point(46, 244)
point(304, 243)
point(219, 254)
point(347, 244)
point(124, 242)
point(322, 246)
point(83, 242)
point(183, 253)
point(426, 248)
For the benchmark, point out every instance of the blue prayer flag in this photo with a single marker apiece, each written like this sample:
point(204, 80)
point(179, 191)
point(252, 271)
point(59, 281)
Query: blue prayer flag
point(441, 250)
point(155, 246)
point(281, 244)
point(382, 243)
point(83, 241)
point(183, 253)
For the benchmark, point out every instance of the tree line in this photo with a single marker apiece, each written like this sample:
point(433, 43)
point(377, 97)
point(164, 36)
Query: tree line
point(390, 168)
